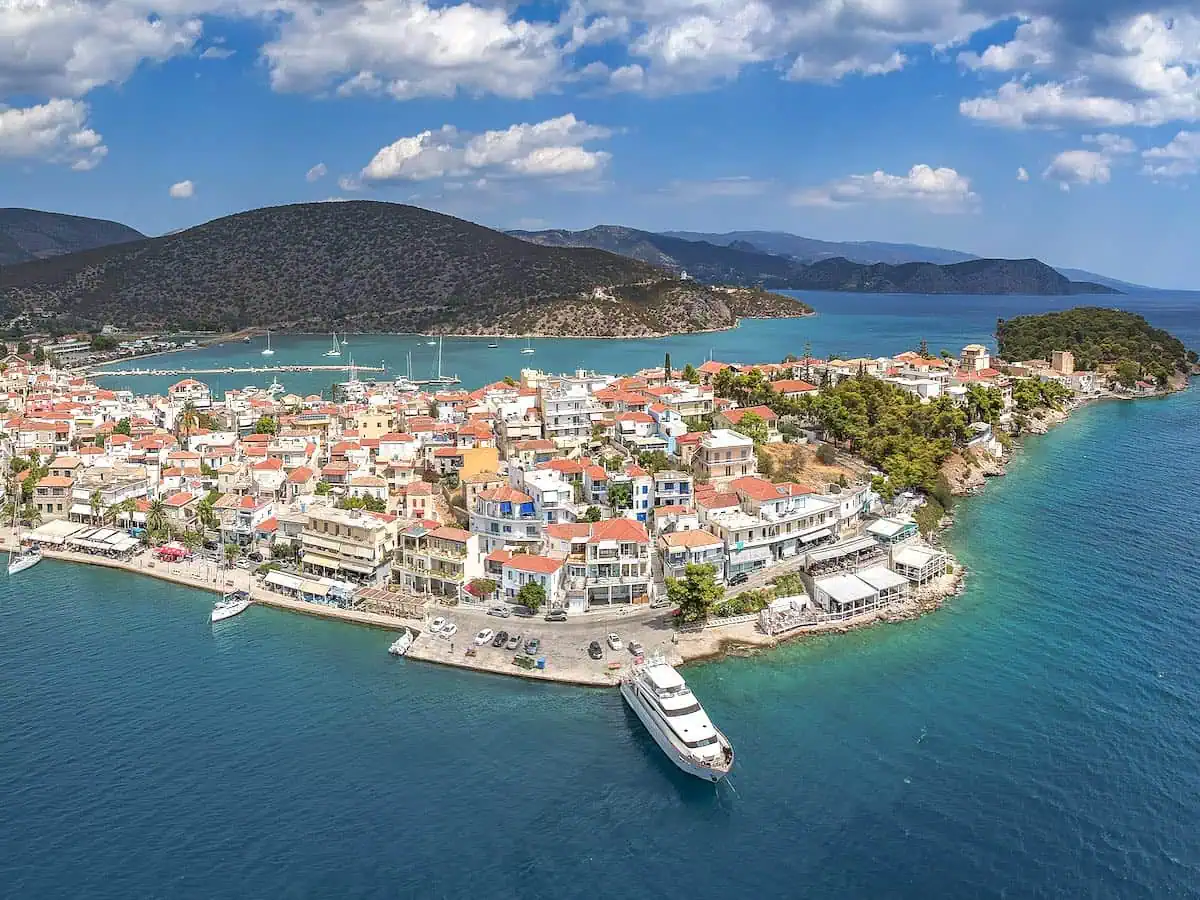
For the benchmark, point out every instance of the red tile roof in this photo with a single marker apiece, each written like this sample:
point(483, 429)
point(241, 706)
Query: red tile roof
point(619, 530)
point(542, 565)
point(505, 494)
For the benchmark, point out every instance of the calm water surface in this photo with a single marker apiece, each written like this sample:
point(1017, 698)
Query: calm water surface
point(1039, 737)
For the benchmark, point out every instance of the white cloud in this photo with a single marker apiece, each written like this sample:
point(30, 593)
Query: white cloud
point(54, 132)
point(729, 186)
point(61, 48)
point(1177, 159)
point(939, 190)
point(217, 53)
point(407, 48)
point(1022, 174)
point(316, 173)
point(1079, 167)
point(550, 148)
point(1114, 68)
point(182, 190)
point(1111, 144)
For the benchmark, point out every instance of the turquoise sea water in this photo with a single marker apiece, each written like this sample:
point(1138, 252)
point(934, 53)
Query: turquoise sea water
point(846, 324)
point(1038, 737)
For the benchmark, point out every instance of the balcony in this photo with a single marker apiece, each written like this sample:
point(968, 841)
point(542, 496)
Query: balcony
point(446, 552)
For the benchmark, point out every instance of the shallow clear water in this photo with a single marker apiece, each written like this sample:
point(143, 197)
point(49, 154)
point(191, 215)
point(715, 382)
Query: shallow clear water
point(1038, 737)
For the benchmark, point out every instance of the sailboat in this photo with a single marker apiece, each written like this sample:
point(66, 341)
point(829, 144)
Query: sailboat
point(21, 561)
point(528, 348)
point(335, 350)
point(443, 379)
point(268, 351)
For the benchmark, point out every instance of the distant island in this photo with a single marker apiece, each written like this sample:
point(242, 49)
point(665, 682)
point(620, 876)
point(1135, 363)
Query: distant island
point(366, 266)
point(744, 264)
point(29, 234)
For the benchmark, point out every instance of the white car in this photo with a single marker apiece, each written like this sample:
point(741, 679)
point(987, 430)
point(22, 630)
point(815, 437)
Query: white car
point(484, 637)
point(437, 625)
point(450, 630)
point(614, 641)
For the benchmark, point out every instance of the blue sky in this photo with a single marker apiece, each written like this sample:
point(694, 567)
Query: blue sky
point(1062, 129)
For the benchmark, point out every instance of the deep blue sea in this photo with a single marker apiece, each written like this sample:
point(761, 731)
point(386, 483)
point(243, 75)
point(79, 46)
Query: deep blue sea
point(1037, 737)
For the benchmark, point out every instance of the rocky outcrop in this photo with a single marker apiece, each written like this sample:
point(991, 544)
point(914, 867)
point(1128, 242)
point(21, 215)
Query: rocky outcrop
point(966, 472)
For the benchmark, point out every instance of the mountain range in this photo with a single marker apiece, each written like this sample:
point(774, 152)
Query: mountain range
point(367, 266)
point(740, 262)
point(27, 234)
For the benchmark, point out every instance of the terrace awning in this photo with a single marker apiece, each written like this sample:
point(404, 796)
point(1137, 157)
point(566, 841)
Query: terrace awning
point(314, 588)
point(815, 536)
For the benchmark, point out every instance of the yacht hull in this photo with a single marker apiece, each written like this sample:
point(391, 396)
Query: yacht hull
point(673, 752)
point(21, 563)
point(402, 644)
point(221, 613)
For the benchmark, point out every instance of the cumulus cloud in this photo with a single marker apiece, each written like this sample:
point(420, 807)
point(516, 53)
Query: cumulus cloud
point(938, 190)
point(545, 149)
point(408, 48)
point(1111, 144)
point(1177, 159)
point(182, 190)
point(316, 173)
point(54, 132)
point(1079, 167)
point(1022, 174)
point(1113, 67)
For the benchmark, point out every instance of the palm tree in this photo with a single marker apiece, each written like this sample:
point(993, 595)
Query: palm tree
point(156, 517)
point(96, 502)
point(189, 418)
point(31, 514)
point(207, 516)
point(126, 508)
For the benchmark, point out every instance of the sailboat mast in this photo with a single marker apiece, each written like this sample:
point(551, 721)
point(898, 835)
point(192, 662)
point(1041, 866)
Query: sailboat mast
point(439, 375)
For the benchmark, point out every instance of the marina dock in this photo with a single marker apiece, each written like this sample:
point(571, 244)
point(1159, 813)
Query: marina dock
point(231, 370)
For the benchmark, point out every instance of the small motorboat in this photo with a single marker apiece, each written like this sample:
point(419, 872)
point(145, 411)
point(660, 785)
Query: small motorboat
point(232, 604)
point(401, 644)
point(493, 345)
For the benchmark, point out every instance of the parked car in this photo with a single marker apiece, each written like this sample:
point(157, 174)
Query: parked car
point(523, 611)
point(484, 637)
point(614, 641)
point(595, 651)
point(502, 611)
point(532, 646)
point(437, 625)
point(556, 615)
point(450, 630)
point(513, 642)
point(500, 639)
point(739, 578)
point(636, 648)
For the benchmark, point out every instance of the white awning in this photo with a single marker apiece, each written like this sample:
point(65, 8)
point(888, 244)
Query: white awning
point(314, 588)
point(815, 536)
point(81, 509)
point(284, 580)
point(55, 532)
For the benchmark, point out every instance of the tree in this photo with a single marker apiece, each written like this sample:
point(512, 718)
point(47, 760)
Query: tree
point(22, 348)
point(620, 495)
point(31, 514)
point(654, 461)
point(510, 381)
point(96, 504)
point(667, 366)
point(206, 515)
point(156, 517)
point(690, 374)
point(232, 552)
point(123, 427)
point(207, 471)
point(1127, 373)
point(597, 431)
point(695, 593)
point(482, 587)
point(266, 425)
point(189, 418)
point(754, 427)
point(592, 514)
point(532, 595)
point(322, 488)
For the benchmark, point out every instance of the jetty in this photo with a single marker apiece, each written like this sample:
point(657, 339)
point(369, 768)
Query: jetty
point(231, 370)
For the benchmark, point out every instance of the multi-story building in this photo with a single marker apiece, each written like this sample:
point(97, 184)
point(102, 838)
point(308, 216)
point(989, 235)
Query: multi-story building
point(680, 549)
point(724, 455)
point(617, 565)
point(673, 488)
point(52, 496)
point(349, 544)
point(568, 413)
point(521, 569)
point(506, 517)
point(115, 485)
point(240, 517)
point(440, 561)
point(975, 358)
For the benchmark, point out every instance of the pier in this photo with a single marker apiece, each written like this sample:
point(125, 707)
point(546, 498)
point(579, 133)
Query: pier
point(231, 370)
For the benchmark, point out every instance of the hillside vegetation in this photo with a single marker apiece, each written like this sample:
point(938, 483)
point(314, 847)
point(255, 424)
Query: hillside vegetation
point(28, 234)
point(367, 266)
point(1098, 338)
point(744, 263)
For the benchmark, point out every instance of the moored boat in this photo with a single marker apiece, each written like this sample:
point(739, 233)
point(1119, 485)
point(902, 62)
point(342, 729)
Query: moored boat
point(20, 562)
point(401, 645)
point(230, 605)
point(673, 716)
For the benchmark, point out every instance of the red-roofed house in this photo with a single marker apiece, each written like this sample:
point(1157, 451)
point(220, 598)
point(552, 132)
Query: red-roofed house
point(618, 564)
point(793, 388)
point(181, 508)
point(440, 561)
point(527, 568)
point(731, 418)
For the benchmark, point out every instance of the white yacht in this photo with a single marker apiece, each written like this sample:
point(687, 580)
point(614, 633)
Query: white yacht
point(20, 562)
point(401, 644)
point(528, 348)
point(676, 721)
point(274, 389)
point(268, 351)
point(232, 604)
point(336, 349)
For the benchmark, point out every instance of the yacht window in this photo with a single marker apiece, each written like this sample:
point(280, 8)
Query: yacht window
point(703, 742)
point(695, 707)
